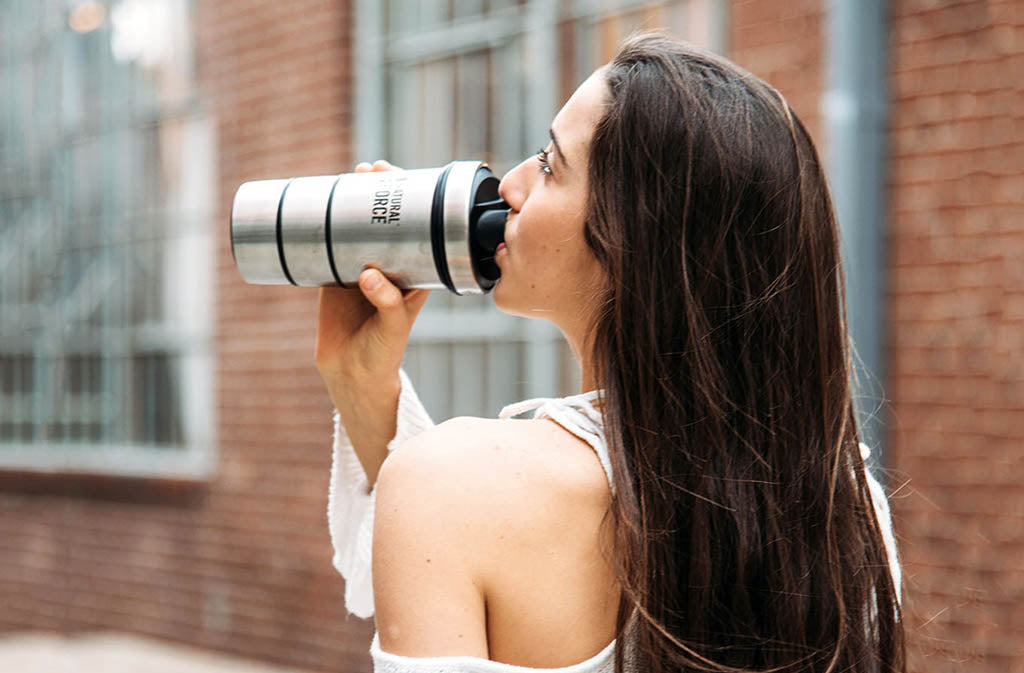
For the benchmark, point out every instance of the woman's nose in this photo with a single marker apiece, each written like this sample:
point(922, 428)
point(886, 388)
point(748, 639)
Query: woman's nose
point(512, 189)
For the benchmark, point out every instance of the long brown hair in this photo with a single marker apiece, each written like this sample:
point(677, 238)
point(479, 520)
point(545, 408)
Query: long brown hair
point(742, 531)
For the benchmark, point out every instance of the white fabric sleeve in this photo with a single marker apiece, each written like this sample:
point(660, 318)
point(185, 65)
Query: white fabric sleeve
point(350, 501)
point(884, 514)
point(386, 662)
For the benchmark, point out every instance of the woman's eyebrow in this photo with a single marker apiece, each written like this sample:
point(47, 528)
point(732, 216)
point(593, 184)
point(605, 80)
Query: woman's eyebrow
point(551, 132)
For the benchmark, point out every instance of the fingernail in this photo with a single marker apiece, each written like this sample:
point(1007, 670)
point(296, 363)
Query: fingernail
point(372, 281)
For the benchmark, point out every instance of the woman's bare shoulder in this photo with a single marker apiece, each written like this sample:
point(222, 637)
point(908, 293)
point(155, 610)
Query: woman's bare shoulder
point(530, 464)
point(530, 453)
point(518, 504)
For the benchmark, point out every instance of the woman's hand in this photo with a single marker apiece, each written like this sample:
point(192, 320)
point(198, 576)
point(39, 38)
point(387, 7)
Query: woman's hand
point(362, 333)
point(361, 336)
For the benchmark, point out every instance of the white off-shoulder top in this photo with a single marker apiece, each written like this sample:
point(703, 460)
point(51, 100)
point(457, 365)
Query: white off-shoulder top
point(350, 510)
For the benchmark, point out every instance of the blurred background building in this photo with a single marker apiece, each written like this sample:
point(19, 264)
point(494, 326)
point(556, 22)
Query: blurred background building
point(164, 436)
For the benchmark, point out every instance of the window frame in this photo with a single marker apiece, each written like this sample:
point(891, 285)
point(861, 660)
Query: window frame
point(184, 333)
point(547, 366)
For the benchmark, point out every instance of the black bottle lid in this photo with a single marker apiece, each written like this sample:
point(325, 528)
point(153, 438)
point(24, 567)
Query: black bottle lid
point(486, 227)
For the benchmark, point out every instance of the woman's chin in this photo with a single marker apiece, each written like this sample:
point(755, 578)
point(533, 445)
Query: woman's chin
point(499, 294)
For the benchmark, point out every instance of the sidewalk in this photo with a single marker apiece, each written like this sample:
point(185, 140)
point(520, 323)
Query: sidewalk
point(109, 652)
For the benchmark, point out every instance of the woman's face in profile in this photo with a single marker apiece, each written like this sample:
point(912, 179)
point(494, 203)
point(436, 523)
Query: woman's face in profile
point(547, 270)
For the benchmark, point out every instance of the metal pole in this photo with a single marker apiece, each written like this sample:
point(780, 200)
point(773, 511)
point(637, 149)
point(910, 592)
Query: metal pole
point(854, 107)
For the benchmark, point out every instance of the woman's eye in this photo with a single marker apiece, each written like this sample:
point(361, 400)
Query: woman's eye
point(542, 157)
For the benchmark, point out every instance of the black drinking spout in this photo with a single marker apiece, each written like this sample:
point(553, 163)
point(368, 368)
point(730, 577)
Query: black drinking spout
point(490, 223)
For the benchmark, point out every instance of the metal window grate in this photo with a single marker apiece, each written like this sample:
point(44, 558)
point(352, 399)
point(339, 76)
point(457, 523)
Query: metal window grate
point(105, 190)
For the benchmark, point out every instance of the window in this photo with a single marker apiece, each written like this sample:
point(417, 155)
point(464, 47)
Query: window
point(438, 80)
point(106, 160)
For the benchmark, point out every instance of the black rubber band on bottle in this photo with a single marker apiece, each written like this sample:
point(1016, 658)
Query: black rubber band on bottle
point(280, 243)
point(327, 234)
point(437, 230)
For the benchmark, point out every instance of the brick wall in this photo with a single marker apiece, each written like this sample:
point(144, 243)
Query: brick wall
point(955, 312)
point(281, 76)
point(241, 564)
point(783, 43)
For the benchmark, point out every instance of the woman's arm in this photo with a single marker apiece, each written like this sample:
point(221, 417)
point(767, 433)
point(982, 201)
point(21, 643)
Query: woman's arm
point(360, 340)
point(369, 422)
point(351, 498)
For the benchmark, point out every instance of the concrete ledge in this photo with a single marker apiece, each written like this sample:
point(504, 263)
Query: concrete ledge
point(111, 652)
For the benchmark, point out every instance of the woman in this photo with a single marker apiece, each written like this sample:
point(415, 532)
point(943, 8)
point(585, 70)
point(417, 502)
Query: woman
point(679, 232)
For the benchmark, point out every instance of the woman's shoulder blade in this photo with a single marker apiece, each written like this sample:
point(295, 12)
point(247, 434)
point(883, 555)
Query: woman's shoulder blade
point(536, 452)
point(526, 471)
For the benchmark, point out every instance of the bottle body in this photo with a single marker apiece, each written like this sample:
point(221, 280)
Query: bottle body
point(424, 228)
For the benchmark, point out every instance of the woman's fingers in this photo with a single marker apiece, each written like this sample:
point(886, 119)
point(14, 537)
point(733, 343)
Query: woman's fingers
point(392, 316)
point(380, 165)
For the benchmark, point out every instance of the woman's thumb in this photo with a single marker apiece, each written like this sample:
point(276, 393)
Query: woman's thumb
point(387, 299)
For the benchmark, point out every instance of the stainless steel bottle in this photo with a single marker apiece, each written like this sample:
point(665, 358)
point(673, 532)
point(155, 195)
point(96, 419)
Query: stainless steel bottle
point(431, 228)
